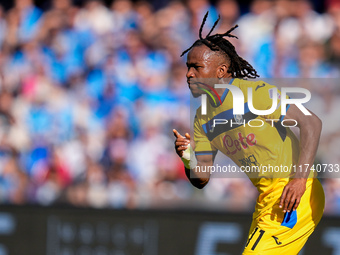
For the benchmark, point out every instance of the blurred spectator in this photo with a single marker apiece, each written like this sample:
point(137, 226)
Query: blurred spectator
point(311, 62)
point(255, 26)
point(197, 9)
point(124, 15)
point(304, 22)
point(94, 16)
point(29, 19)
point(229, 12)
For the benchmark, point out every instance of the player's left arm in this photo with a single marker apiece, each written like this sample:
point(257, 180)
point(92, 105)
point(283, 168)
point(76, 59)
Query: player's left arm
point(310, 130)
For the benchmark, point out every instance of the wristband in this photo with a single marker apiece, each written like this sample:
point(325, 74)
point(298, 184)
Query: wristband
point(189, 162)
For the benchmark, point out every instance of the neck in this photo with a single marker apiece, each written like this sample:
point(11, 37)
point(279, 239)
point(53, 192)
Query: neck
point(226, 80)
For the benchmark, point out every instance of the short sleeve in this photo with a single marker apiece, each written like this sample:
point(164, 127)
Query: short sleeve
point(202, 144)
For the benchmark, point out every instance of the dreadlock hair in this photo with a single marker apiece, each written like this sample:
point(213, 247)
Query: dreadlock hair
point(239, 68)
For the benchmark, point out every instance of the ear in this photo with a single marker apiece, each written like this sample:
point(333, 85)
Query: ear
point(222, 71)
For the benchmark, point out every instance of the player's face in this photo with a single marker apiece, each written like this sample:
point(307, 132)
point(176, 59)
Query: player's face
point(201, 63)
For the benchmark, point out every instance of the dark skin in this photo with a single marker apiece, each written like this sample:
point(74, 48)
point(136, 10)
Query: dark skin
point(204, 63)
point(310, 130)
point(201, 63)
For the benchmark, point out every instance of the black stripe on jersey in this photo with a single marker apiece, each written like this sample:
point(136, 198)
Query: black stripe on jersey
point(213, 132)
point(205, 153)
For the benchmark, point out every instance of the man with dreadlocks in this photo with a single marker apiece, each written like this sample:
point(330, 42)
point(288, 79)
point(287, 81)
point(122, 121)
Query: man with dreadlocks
point(289, 206)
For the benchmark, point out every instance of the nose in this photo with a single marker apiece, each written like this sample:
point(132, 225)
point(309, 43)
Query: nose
point(190, 73)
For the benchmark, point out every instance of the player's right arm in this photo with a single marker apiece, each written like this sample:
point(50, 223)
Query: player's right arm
point(197, 178)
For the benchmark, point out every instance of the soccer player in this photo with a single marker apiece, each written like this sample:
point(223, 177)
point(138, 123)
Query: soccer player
point(287, 209)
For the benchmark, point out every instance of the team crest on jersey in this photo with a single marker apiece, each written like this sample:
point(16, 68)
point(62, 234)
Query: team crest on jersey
point(238, 119)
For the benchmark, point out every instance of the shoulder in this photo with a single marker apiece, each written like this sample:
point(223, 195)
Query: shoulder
point(257, 84)
point(259, 87)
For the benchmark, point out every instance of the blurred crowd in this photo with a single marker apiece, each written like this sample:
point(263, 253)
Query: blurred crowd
point(89, 96)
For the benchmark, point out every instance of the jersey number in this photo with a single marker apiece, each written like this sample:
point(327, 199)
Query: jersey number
point(258, 238)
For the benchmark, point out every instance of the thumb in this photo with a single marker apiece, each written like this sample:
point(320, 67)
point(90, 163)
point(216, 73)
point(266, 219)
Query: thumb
point(187, 136)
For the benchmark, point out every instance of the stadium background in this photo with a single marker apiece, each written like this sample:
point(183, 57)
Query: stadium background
point(89, 94)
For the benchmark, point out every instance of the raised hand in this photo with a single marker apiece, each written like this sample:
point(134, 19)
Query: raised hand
point(181, 143)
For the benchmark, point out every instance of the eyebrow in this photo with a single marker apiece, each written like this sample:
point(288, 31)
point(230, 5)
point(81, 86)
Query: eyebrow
point(192, 64)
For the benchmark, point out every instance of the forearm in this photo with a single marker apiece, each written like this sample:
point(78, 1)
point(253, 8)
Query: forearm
point(310, 130)
point(309, 141)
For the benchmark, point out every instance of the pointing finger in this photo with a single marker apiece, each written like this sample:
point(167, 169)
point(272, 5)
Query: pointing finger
point(177, 134)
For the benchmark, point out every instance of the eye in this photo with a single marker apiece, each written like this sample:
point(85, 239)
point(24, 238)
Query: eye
point(193, 66)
